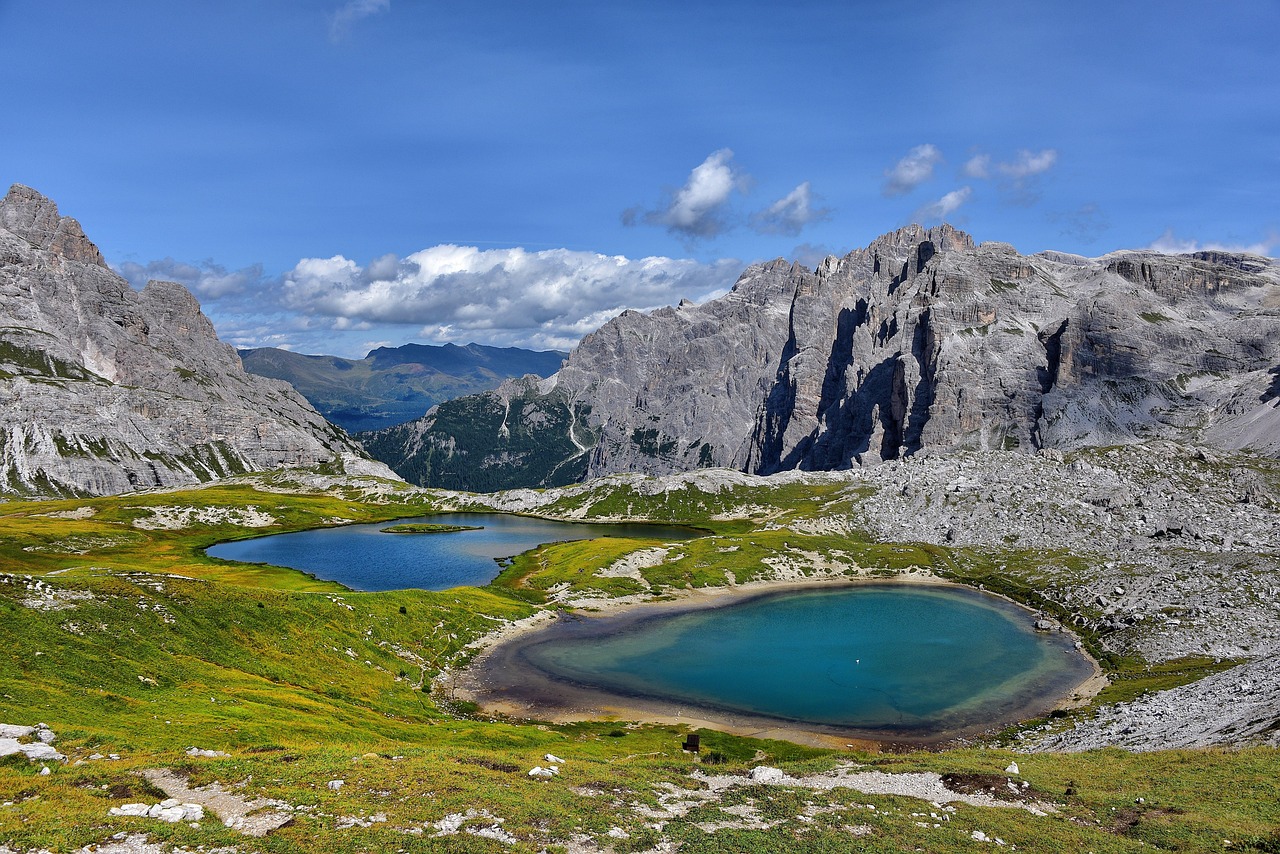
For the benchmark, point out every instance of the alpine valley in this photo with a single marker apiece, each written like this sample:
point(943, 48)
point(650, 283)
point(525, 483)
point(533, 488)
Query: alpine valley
point(1094, 439)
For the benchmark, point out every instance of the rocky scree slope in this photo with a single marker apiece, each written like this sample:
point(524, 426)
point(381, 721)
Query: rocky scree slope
point(921, 341)
point(1155, 550)
point(104, 389)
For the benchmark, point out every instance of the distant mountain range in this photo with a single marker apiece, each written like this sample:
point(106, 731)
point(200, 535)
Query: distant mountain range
point(923, 342)
point(392, 385)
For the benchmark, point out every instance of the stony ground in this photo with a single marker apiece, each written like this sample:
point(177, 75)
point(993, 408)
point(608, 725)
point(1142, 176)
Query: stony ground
point(1166, 552)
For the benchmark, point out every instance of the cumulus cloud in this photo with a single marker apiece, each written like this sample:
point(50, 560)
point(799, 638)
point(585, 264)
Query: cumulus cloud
point(502, 296)
point(349, 13)
point(1028, 163)
point(944, 206)
point(1171, 244)
point(978, 166)
point(205, 279)
point(790, 214)
point(696, 210)
point(912, 170)
point(1016, 178)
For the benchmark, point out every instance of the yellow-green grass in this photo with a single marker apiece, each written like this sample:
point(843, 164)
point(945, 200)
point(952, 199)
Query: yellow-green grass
point(33, 540)
point(302, 683)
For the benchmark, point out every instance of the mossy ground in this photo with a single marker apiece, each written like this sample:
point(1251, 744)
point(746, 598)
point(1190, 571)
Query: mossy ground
point(302, 682)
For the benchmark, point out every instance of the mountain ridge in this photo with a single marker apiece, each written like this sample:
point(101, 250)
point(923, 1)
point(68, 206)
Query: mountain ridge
point(105, 389)
point(923, 341)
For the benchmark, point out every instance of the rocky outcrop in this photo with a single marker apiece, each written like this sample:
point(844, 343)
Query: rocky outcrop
point(104, 389)
point(924, 341)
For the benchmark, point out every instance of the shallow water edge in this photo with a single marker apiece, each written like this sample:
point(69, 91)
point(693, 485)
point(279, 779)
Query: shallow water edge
point(501, 679)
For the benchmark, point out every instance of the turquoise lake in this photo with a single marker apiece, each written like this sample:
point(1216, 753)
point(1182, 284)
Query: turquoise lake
point(362, 557)
point(912, 661)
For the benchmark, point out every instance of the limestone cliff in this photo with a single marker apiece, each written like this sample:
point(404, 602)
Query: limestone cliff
point(104, 389)
point(922, 341)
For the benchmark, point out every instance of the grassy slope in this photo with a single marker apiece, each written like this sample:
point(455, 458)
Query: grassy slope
point(304, 683)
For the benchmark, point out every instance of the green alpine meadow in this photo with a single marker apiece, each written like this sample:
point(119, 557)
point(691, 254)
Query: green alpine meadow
point(327, 716)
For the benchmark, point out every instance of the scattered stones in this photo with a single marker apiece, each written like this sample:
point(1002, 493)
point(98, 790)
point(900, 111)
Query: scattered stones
point(211, 754)
point(130, 843)
point(349, 821)
point(170, 810)
point(256, 817)
point(176, 518)
point(1215, 710)
point(12, 742)
point(491, 828)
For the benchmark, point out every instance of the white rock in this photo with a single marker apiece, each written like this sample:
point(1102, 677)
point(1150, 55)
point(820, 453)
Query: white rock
point(195, 751)
point(451, 823)
point(765, 774)
point(139, 810)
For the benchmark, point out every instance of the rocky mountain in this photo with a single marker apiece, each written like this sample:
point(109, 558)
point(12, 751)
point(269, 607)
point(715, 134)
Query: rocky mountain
point(392, 385)
point(104, 389)
point(921, 342)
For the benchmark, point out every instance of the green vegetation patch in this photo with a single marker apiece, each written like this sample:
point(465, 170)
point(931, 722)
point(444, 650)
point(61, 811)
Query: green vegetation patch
point(427, 528)
point(141, 647)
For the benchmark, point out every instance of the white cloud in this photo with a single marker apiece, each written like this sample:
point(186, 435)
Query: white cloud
point(349, 13)
point(912, 170)
point(1017, 178)
point(205, 279)
point(978, 166)
point(790, 214)
point(696, 209)
point(1028, 163)
point(500, 296)
point(1170, 244)
point(944, 206)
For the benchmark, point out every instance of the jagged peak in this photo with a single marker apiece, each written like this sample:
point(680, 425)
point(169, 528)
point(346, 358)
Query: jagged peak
point(34, 217)
point(944, 237)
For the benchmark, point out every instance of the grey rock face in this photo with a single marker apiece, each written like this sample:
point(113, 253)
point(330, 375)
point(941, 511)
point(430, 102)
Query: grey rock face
point(924, 341)
point(105, 390)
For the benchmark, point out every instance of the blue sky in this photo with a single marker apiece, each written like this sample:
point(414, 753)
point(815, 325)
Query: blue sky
point(330, 175)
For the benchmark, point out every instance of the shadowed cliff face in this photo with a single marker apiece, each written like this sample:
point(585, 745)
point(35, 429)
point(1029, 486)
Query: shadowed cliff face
point(104, 389)
point(925, 342)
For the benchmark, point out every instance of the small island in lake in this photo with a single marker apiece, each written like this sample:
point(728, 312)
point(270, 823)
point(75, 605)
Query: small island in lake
point(428, 528)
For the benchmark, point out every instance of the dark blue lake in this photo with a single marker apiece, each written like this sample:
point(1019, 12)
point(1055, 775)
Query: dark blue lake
point(362, 557)
point(908, 661)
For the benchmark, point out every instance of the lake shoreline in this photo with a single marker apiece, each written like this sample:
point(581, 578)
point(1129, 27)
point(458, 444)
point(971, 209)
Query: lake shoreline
point(501, 682)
